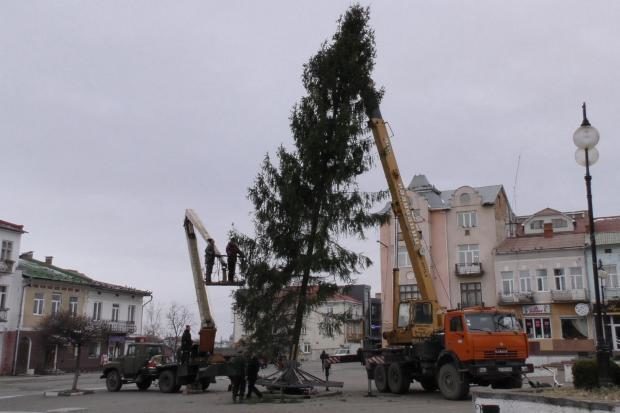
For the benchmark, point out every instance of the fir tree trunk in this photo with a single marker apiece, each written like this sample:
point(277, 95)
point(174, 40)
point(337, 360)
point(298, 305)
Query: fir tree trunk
point(77, 367)
point(301, 304)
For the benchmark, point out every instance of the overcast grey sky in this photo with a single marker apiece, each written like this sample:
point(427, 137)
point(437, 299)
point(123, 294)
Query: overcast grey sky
point(116, 116)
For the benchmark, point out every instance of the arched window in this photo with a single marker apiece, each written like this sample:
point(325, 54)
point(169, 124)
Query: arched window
point(465, 198)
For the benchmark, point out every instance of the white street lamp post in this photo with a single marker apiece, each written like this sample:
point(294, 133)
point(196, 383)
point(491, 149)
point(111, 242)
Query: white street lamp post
point(586, 137)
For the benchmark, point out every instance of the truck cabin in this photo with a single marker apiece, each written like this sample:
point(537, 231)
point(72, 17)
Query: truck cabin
point(485, 320)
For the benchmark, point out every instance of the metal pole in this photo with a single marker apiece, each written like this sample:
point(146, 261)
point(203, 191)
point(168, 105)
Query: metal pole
point(602, 352)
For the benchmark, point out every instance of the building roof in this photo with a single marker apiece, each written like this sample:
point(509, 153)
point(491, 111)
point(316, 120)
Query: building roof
point(607, 224)
point(540, 243)
point(11, 227)
point(546, 212)
point(343, 297)
point(442, 199)
point(36, 269)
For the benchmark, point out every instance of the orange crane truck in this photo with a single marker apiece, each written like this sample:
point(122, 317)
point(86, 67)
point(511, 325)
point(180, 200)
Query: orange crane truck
point(445, 349)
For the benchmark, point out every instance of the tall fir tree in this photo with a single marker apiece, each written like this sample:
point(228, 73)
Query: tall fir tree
point(308, 202)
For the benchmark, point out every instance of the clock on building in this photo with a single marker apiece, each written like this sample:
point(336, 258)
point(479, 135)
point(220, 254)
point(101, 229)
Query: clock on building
point(582, 309)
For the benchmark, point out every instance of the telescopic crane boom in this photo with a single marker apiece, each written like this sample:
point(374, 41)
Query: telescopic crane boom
point(426, 313)
point(208, 329)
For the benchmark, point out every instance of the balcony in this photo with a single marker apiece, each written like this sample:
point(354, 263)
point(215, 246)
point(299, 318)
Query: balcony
point(127, 327)
point(469, 269)
point(354, 337)
point(507, 299)
point(6, 266)
point(569, 296)
point(525, 297)
point(4, 315)
point(515, 298)
point(612, 294)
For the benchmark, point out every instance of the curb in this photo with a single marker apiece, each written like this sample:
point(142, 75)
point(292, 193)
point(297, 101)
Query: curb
point(67, 393)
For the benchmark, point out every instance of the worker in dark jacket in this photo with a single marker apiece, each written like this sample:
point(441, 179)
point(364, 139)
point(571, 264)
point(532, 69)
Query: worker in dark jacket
point(232, 250)
point(186, 344)
point(252, 371)
point(237, 377)
point(209, 259)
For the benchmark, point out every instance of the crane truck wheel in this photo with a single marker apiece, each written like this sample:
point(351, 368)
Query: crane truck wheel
point(451, 383)
point(167, 382)
point(381, 381)
point(398, 378)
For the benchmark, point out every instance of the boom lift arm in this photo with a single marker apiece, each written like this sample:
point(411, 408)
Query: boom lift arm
point(425, 319)
point(207, 325)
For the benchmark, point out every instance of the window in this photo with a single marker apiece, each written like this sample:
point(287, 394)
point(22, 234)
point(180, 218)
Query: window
point(97, 311)
point(131, 313)
point(469, 254)
point(612, 276)
point(409, 292)
point(403, 315)
point(507, 283)
point(539, 327)
point(456, 324)
point(56, 297)
point(607, 250)
point(466, 219)
point(303, 331)
point(560, 281)
point(330, 309)
point(305, 348)
point(115, 311)
point(541, 280)
point(576, 278)
point(131, 351)
point(471, 294)
point(423, 313)
point(559, 223)
point(403, 257)
point(2, 297)
point(73, 305)
point(525, 281)
point(465, 198)
point(7, 250)
point(38, 304)
point(538, 224)
point(575, 328)
point(94, 349)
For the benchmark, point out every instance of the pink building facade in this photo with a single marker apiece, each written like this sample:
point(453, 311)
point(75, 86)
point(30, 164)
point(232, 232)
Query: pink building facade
point(460, 229)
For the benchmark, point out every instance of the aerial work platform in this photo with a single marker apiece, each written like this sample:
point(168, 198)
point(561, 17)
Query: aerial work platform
point(219, 275)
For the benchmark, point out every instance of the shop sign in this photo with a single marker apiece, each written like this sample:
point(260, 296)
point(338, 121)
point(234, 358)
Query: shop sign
point(536, 309)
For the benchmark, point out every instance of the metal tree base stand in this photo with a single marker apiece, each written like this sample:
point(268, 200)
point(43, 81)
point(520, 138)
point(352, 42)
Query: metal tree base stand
point(293, 380)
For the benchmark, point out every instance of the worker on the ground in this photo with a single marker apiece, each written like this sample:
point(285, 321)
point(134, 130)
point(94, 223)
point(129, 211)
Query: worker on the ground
point(323, 357)
point(232, 250)
point(237, 367)
point(326, 366)
point(209, 259)
point(252, 371)
point(186, 344)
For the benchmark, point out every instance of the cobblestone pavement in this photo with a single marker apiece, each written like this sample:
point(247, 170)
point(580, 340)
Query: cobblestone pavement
point(26, 394)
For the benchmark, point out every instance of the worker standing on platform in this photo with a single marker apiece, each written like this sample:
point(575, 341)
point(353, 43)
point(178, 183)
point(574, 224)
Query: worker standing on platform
point(209, 259)
point(232, 250)
point(186, 344)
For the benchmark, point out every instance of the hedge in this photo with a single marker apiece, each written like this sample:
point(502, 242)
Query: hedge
point(585, 373)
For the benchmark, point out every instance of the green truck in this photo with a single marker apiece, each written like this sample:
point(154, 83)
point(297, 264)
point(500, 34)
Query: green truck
point(145, 363)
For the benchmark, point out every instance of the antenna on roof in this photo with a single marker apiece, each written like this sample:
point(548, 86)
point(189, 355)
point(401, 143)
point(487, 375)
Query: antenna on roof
point(514, 187)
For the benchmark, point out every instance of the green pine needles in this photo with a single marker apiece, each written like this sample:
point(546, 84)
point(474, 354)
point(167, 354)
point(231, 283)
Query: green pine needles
point(308, 201)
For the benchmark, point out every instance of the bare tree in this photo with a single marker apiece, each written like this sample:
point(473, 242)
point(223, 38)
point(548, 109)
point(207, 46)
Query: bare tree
point(177, 317)
point(152, 323)
point(65, 328)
